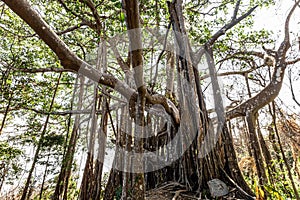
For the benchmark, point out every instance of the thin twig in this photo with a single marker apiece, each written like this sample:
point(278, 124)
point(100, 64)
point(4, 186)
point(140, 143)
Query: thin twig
point(159, 57)
point(292, 90)
point(237, 186)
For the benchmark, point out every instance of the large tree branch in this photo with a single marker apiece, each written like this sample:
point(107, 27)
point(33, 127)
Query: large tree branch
point(198, 55)
point(291, 62)
point(243, 54)
point(62, 113)
point(228, 26)
point(69, 60)
point(271, 91)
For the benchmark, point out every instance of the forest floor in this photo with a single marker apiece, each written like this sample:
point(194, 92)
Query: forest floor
point(176, 191)
point(170, 190)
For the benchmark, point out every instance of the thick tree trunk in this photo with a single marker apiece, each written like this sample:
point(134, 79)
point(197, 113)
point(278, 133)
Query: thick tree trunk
point(221, 158)
point(136, 56)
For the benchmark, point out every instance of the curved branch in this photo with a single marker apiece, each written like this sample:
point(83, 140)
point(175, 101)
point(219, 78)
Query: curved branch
point(242, 73)
point(292, 89)
point(73, 28)
point(285, 45)
point(243, 53)
point(291, 62)
point(271, 91)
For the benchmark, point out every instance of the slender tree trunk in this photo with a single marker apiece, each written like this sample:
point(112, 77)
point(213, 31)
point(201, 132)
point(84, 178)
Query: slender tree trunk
point(102, 131)
point(61, 189)
point(35, 159)
point(113, 184)
point(6, 113)
point(284, 158)
point(45, 175)
point(88, 179)
point(266, 154)
point(256, 152)
point(170, 68)
point(263, 147)
point(3, 175)
point(126, 126)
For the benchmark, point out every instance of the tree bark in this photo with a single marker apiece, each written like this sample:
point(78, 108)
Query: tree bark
point(136, 57)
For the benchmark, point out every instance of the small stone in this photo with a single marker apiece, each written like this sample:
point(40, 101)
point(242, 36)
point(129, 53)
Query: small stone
point(217, 188)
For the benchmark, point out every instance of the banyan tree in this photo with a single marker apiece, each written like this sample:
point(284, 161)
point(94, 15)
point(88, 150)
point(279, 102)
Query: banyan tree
point(143, 91)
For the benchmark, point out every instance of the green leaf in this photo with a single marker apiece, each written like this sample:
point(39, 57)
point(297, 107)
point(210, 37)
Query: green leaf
point(122, 17)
